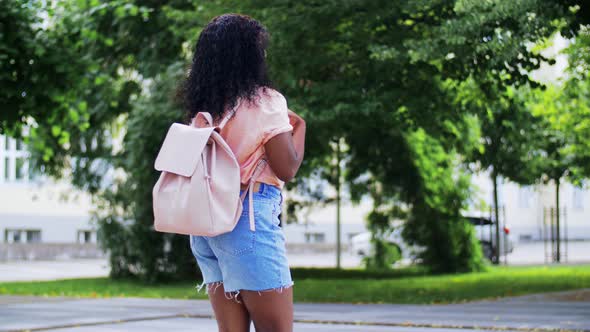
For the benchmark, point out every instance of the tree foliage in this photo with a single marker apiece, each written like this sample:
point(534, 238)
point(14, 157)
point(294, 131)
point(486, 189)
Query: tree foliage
point(382, 76)
point(575, 101)
point(379, 74)
point(510, 134)
point(99, 61)
point(30, 70)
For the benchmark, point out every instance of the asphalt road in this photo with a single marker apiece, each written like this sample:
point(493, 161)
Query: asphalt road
point(566, 311)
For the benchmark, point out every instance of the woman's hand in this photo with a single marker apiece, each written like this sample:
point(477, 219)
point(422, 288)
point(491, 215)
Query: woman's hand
point(298, 133)
point(295, 119)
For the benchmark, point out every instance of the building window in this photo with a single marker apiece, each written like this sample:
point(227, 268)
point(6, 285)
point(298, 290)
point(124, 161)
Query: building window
point(315, 237)
point(525, 237)
point(33, 236)
point(524, 197)
point(20, 171)
point(14, 162)
point(12, 236)
point(22, 236)
point(19, 145)
point(578, 198)
point(85, 236)
point(6, 168)
point(351, 235)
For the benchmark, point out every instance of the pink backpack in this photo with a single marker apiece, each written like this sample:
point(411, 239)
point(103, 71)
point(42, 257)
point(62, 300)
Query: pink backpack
point(198, 192)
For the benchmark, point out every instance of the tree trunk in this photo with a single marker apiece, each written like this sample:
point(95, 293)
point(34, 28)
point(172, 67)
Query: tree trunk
point(338, 245)
point(557, 226)
point(496, 216)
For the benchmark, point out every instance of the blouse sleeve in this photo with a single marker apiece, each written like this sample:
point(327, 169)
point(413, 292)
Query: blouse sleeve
point(274, 118)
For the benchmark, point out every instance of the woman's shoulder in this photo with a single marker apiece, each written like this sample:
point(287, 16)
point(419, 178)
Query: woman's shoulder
point(271, 92)
point(267, 103)
point(271, 100)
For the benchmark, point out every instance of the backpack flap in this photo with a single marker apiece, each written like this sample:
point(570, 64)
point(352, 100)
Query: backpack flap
point(182, 149)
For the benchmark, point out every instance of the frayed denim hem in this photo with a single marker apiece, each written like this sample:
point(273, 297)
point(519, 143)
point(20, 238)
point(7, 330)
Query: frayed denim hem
point(278, 289)
point(212, 287)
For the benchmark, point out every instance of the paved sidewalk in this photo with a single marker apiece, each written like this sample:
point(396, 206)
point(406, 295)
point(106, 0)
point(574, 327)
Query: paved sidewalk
point(567, 311)
point(51, 270)
point(91, 268)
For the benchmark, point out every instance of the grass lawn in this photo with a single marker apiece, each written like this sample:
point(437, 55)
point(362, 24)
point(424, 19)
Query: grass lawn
point(353, 286)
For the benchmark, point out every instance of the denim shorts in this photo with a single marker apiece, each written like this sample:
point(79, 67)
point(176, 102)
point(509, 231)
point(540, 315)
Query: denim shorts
point(244, 259)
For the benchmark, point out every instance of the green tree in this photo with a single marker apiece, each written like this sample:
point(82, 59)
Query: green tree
point(102, 58)
point(510, 136)
point(19, 46)
point(39, 65)
point(564, 113)
point(569, 116)
point(576, 99)
point(377, 74)
point(80, 64)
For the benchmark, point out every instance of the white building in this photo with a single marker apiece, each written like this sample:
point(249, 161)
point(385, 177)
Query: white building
point(34, 209)
point(525, 210)
point(528, 208)
point(318, 224)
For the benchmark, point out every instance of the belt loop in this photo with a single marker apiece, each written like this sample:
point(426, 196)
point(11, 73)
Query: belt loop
point(262, 188)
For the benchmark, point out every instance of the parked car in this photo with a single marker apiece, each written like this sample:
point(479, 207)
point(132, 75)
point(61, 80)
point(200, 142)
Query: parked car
point(361, 245)
point(484, 228)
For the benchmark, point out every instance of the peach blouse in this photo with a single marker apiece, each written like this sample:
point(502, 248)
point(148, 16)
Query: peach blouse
point(254, 124)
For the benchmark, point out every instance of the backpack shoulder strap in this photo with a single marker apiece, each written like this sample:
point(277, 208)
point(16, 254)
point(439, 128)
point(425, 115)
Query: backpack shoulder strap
point(226, 119)
point(229, 115)
point(205, 115)
point(209, 118)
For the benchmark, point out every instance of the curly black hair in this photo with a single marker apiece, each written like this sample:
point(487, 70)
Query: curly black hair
point(228, 64)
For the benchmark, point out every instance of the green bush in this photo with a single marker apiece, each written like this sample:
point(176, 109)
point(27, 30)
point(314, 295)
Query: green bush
point(386, 254)
point(435, 221)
